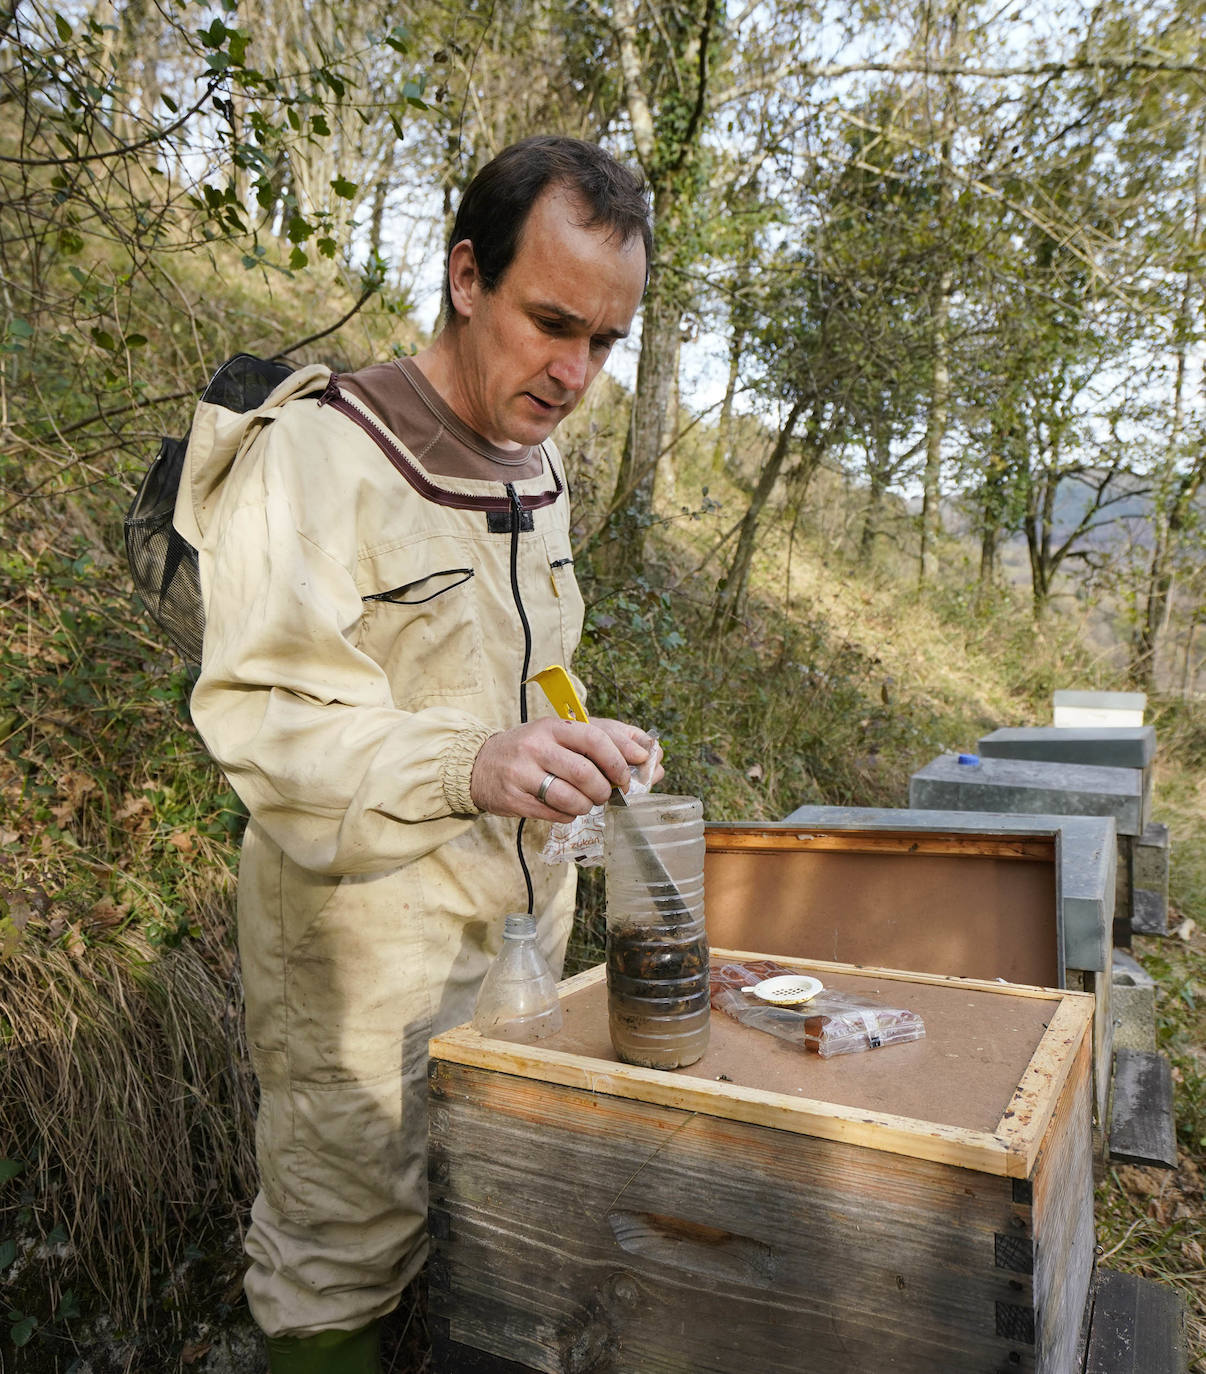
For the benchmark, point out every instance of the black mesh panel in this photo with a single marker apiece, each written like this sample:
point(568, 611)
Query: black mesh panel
point(1015, 1323)
point(163, 565)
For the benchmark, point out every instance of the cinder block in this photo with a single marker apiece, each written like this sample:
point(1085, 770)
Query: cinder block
point(1152, 853)
point(1128, 972)
point(1149, 912)
point(1134, 1010)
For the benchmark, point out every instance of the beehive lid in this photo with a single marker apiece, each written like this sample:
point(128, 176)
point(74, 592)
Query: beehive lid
point(1028, 785)
point(977, 1091)
point(1119, 746)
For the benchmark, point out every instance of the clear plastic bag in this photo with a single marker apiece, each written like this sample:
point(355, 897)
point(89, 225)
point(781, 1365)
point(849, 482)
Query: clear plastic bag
point(581, 840)
point(828, 1024)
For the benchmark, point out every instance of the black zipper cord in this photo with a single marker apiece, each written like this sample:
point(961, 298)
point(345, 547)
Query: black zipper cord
point(516, 524)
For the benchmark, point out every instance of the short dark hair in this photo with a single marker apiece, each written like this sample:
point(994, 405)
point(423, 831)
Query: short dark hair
point(497, 202)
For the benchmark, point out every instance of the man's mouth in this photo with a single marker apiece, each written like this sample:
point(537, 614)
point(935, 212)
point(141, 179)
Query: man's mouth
point(542, 403)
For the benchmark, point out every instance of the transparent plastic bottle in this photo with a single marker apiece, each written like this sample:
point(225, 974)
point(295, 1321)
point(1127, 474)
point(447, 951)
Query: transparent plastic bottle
point(518, 996)
point(657, 946)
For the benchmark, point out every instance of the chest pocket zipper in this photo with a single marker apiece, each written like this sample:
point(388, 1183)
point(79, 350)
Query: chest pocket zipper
point(422, 629)
point(410, 594)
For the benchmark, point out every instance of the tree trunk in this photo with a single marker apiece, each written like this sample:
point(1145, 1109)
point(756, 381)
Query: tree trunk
point(940, 391)
point(666, 478)
point(377, 218)
point(730, 592)
point(668, 139)
point(988, 556)
point(636, 480)
point(1169, 522)
point(1189, 670)
point(880, 467)
point(992, 505)
point(739, 314)
point(801, 481)
point(1038, 542)
point(940, 311)
point(1158, 607)
point(724, 425)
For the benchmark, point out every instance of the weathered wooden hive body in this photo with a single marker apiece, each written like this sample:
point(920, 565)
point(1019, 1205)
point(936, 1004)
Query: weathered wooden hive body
point(922, 1207)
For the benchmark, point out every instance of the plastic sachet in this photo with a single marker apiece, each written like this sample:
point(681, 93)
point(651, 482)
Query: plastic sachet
point(581, 840)
point(828, 1024)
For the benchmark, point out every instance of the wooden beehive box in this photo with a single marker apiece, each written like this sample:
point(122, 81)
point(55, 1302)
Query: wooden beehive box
point(912, 890)
point(922, 1207)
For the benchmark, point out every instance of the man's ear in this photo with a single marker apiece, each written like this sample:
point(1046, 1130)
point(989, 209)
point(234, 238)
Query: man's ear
point(464, 280)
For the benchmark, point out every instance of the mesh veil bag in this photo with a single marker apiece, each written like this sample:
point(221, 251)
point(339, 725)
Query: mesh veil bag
point(162, 563)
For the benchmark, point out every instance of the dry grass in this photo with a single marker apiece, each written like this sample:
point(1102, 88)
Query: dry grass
point(124, 1092)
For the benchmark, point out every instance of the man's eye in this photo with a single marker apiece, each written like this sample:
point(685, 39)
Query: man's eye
point(601, 345)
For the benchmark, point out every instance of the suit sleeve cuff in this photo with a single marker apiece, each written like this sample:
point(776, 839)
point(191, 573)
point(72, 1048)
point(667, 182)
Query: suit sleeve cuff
point(456, 768)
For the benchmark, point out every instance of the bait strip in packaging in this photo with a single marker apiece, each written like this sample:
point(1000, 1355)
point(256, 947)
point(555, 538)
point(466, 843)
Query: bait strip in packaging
point(580, 841)
point(829, 1023)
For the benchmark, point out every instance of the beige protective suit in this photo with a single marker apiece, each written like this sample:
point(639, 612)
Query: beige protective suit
point(366, 630)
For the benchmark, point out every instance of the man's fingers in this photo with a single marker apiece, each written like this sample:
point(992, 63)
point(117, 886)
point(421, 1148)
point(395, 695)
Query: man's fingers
point(555, 769)
point(592, 751)
point(631, 741)
point(592, 774)
point(562, 801)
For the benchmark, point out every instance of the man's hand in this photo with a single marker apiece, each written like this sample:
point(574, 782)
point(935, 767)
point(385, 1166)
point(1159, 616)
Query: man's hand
point(576, 764)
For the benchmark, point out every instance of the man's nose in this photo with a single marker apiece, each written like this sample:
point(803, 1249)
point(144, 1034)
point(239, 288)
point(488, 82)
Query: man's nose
point(570, 365)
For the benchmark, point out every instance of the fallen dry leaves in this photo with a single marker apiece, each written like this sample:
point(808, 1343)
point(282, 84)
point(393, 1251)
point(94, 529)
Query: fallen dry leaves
point(74, 787)
point(135, 812)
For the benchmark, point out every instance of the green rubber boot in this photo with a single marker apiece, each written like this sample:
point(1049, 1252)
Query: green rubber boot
point(327, 1352)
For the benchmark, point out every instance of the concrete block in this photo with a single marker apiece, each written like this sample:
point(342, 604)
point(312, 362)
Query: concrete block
point(1149, 912)
point(1134, 1012)
point(1022, 786)
point(1156, 836)
point(1131, 746)
point(1074, 708)
point(1128, 972)
point(1152, 852)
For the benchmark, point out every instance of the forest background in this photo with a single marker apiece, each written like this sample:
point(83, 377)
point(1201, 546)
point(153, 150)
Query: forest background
point(912, 435)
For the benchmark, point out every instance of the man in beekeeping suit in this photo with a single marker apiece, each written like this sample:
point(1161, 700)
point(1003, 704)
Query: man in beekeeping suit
point(385, 560)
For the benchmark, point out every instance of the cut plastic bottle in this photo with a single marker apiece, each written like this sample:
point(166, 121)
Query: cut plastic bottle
point(657, 947)
point(518, 996)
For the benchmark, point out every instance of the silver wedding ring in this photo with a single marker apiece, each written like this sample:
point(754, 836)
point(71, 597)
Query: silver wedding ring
point(543, 790)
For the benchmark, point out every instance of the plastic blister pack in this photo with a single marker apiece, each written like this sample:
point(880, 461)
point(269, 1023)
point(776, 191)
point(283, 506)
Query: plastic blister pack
point(828, 1023)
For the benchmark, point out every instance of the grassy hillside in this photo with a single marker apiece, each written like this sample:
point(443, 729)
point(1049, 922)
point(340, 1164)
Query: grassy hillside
point(124, 1168)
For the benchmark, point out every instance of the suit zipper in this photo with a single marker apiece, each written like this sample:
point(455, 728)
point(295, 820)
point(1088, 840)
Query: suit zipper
point(516, 522)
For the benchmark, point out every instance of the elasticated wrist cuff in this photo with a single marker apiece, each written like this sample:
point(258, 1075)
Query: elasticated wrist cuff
point(456, 769)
